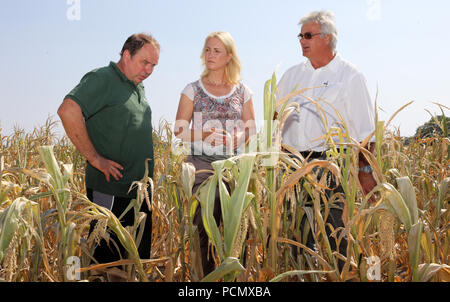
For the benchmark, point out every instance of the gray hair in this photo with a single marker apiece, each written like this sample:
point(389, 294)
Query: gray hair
point(326, 20)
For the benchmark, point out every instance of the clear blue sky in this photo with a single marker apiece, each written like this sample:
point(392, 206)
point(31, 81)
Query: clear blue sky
point(402, 47)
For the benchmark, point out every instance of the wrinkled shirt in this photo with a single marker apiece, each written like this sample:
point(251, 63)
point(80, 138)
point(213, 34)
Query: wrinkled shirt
point(338, 86)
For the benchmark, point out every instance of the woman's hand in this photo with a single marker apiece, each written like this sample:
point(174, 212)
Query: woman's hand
point(217, 137)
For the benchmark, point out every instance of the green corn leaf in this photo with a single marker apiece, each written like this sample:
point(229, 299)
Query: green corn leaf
point(406, 189)
point(207, 197)
point(229, 266)
point(273, 91)
point(444, 123)
point(218, 167)
point(57, 180)
point(11, 219)
point(442, 195)
point(192, 209)
point(238, 199)
point(41, 195)
point(396, 204)
point(52, 166)
point(414, 238)
point(267, 105)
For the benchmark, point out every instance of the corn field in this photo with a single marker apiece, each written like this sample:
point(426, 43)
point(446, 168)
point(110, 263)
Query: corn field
point(403, 237)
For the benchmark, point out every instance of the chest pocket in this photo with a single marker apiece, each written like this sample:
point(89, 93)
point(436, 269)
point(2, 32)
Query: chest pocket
point(330, 92)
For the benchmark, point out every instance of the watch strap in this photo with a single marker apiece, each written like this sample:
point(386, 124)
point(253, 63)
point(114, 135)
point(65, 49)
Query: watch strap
point(366, 169)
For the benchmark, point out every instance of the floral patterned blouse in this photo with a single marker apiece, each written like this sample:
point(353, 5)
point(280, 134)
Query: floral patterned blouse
point(212, 111)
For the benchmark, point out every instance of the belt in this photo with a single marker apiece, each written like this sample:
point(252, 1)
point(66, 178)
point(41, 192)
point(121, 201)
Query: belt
point(312, 154)
point(305, 154)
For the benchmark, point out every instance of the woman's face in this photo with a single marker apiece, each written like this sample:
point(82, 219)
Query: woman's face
point(216, 56)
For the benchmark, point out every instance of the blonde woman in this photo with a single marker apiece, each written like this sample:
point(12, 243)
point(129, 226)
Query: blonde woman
point(220, 108)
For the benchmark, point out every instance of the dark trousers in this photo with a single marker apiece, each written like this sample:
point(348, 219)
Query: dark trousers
point(107, 251)
point(335, 214)
point(335, 219)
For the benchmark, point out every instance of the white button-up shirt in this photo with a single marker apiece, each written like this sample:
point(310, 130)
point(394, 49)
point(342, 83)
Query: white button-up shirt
point(343, 87)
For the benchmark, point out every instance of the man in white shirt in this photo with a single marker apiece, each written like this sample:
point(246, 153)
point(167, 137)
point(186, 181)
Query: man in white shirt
point(338, 86)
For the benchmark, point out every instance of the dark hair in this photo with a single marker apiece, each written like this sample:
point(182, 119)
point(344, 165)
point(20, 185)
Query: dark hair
point(137, 41)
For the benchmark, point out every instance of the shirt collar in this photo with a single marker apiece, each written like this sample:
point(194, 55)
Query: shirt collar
point(118, 71)
point(332, 65)
point(121, 75)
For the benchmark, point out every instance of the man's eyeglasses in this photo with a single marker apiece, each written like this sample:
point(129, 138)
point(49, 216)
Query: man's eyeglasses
point(307, 35)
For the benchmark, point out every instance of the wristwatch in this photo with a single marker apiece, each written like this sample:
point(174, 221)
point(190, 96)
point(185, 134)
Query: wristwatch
point(366, 169)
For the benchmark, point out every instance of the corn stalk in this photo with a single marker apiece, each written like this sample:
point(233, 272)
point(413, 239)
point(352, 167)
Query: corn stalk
point(233, 207)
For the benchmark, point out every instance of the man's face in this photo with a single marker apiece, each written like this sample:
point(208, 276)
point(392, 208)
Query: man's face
point(141, 65)
point(316, 47)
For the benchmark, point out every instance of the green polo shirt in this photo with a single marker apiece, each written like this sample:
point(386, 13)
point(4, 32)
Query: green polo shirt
point(118, 121)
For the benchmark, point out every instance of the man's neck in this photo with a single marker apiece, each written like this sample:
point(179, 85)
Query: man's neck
point(120, 66)
point(323, 60)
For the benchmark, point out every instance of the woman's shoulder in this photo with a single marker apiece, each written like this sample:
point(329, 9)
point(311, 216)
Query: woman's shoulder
point(193, 90)
point(244, 87)
point(193, 84)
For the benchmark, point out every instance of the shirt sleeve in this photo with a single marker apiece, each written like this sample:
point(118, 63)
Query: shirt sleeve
point(189, 92)
point(248, 93)
point(90, 94)
point(361, 111)
point(283, 86)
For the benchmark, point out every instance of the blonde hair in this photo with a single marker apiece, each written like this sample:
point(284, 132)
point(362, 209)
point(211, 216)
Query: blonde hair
point(233, 68)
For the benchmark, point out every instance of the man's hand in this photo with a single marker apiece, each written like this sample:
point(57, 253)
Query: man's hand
point(73, 122)
point(107, 167)
point(368, 182)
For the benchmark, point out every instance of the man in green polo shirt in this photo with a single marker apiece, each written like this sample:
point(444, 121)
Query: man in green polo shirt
point(108, 119)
